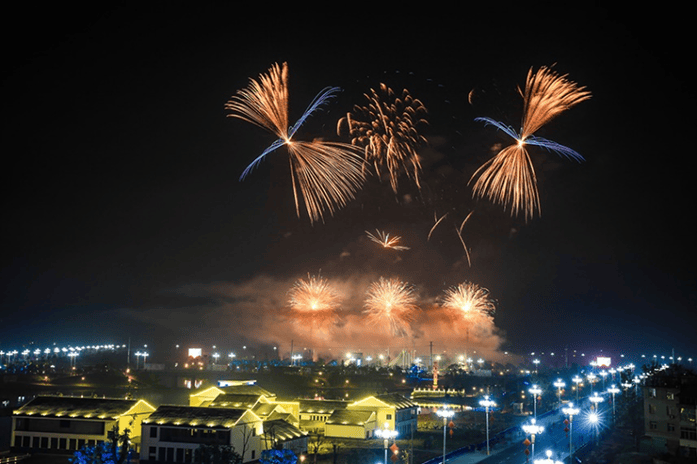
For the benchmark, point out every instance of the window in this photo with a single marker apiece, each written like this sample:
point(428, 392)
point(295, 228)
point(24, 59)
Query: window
point(670, 395)
point(652, 392)
point(653, 425)
point(671, 427)
point(688, 434)
point(388, 416)
point(153, 432)
point(652, 408)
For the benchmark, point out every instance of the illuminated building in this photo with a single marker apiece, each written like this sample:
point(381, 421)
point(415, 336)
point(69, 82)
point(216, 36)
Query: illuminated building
point(58, 424)
point(670, 400)
point(345, 423)
point(398, 412)
point(173, 433)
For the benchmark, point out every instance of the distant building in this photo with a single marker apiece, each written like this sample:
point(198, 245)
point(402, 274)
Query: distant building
point(66, 424)
point(670, 399)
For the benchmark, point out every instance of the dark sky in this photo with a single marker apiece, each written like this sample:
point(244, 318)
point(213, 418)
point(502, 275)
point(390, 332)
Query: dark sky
point(124, 216)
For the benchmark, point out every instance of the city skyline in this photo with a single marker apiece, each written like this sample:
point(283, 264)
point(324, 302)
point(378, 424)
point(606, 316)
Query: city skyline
point(125, 215)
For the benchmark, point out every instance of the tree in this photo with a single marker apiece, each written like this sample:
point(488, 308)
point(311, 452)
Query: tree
point(212, 454)
point(278, 457)
point(113, 451)
point(314, 444)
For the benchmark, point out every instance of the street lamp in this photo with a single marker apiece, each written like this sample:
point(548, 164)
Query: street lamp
point(594, 420)
point(445, 414)
point(386, 434)
point(613, 389)
point(591, 380)
point(535, 390)
point(559, 384)
point(577, 380)
point(603, 374)
point(549, 459)
point(487, 403)
point(595, 399)
point(533, 429)
point(536, 362)
point(571, 411)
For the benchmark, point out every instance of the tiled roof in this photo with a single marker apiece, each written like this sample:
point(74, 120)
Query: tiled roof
point(281, 430)
point(321, 406)
point(234, 400)
point(350, 417)
point(396, 400)
point(76, 407)
point(195, 416)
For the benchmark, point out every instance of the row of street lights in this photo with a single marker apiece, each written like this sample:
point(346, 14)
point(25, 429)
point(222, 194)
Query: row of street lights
point(595, 399)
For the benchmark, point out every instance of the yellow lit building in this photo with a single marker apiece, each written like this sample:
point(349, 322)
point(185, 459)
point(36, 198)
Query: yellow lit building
point(173, 433)
point(66, 424)
point(394, 410)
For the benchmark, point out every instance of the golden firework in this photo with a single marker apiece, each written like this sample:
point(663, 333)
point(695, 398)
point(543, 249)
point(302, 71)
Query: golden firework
point(468, 300)
point(509, 178)
point(386, 241)
point(313, 301)
point(386, 129)
point(325, 174)
point(393, 302)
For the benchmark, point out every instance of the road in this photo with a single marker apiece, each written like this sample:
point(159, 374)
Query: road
point(553, 438)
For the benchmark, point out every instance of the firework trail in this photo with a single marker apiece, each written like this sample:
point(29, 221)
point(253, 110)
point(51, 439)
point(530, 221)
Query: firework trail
point(384, 239)
point(391, 301)
point(386, 129)
point(509, 178)
point(438, 221)
point(327, 175)
point(458, 231)
point(313, 301)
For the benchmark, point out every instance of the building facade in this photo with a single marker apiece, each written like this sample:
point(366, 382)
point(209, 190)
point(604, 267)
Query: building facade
point(173, 433)
point(59, 424)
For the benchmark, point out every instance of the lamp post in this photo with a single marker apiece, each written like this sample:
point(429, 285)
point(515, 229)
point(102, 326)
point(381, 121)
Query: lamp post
point(533, 429)
point(577, 380)
point(613, 389)
point(559, 384)
point(591, 380)
point(445, 414)
point(487, 403)
point(549, 459)
point(535, 390)
point(571, 411)
point(594, 420)
point(386, 434)
point(595, 399)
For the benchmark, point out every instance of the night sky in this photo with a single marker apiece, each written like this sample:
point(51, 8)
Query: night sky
point(124, 215)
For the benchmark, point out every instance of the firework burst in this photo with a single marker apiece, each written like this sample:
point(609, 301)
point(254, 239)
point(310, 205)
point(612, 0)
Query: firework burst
point(386, 241)
point(313, 301)
point(325, 174)
point(509, 178)
point(391, 301)
point(468, 300)
point(386, 129)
